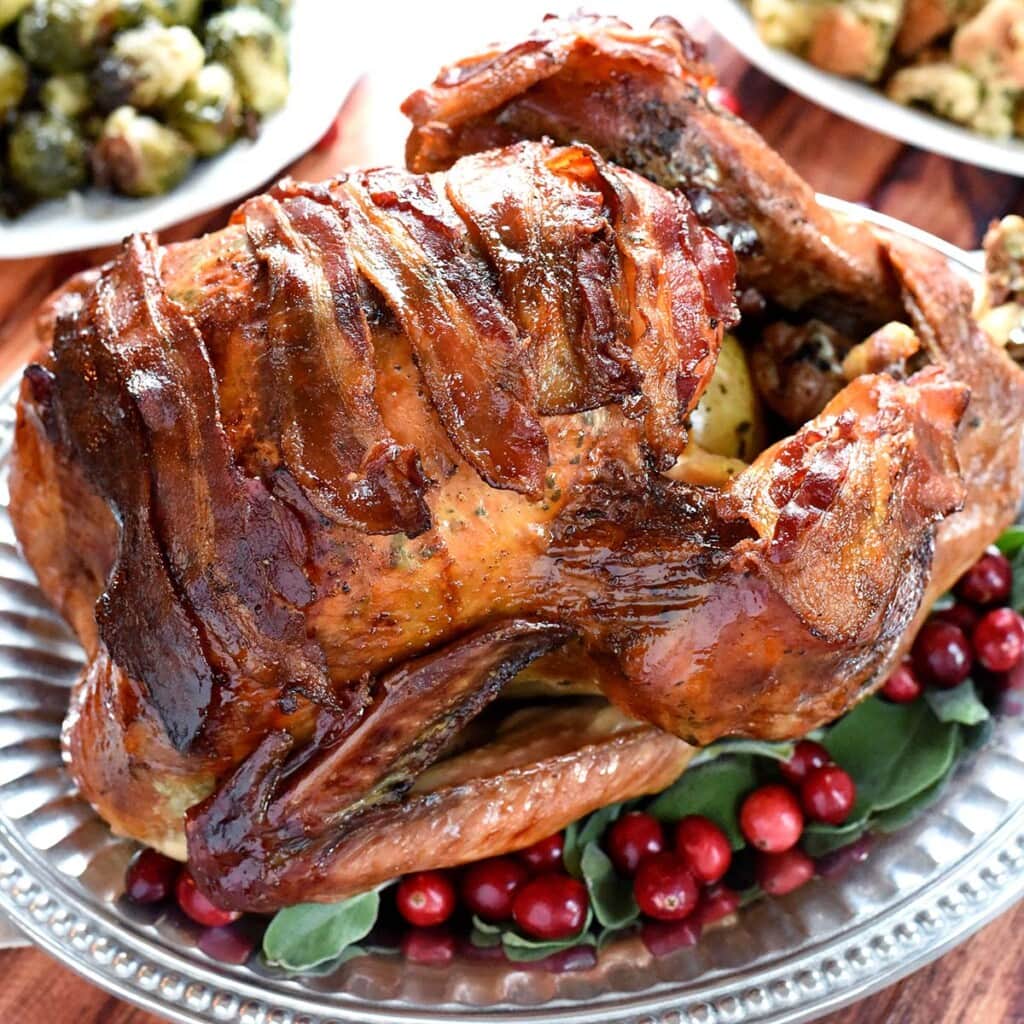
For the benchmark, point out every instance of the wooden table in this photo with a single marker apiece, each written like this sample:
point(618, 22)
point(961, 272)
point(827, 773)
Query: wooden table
point(982, 981)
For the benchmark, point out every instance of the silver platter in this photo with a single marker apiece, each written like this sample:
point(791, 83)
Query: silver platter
point(920, 892)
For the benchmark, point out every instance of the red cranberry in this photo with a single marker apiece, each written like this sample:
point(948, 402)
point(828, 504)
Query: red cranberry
point(828, 794)
point(664, 937)
point(704, 848)
point(999, 639)
point(779, 873)
point(717, 903)
point(988, 581)
point(806, 755)
point(232, 944)
point(425, 898)
point(551, 907)
point(198, 907)
point(665, 888)
point(489, 886)
point(941, 654)
point(959, 614)
point(632, 839)
point(544, 855)
point(721, 96)
point(771, 819)
point(151, 877)
point(902, 686)
point(434, 947)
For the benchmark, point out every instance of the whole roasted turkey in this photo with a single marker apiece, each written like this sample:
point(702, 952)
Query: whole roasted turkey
point(318, 491)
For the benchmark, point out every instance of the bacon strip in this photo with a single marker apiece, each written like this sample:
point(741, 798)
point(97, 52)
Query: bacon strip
point(209, 581)
point(320, 374)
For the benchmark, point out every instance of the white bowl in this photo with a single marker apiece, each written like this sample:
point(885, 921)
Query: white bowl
point(862, 103)
point(324, 67)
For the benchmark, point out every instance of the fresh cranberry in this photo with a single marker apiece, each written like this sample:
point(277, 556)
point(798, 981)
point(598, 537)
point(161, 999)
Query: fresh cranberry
point(717, 903)
point(806, 755)
point(632, 839)
point(544, 855)
point(779, 873)
point(151, 877)
point(425, 898)
point(838, 862)
point(988, 581)
point(771, 819)
point(664, 937)
point(665, 888)
point(489, 886)
point(999, 639)
point(959, 614)
point(941, 654)
point(902, 686)
point(551, 907)
point(828, 794)
point(198, 907)
point(434, 947)
point(721, 96)
point(704, 848)
point(232, 944)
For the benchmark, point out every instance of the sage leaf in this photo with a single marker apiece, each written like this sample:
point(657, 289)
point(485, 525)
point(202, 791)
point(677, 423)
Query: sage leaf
point(308, 934)
point(960, 704)
point(586, 831)
point(893, 751)
point(714, 790)
point(523, 950)
point(1012, 540)
point(758, 748)
point(820, 838)
point(610, 896)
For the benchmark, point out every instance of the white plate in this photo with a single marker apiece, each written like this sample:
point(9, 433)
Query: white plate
point(859, 102)
point(324, 67)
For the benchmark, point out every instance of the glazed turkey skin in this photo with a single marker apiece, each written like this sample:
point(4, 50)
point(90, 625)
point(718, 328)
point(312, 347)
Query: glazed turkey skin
point(314, 489)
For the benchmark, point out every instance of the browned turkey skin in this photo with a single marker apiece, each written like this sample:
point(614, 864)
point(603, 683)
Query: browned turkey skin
point(313, 489)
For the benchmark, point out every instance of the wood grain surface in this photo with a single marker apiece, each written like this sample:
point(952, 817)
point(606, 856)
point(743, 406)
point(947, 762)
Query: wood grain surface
point(982, 982)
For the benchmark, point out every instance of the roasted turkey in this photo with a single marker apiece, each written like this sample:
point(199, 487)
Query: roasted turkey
point(376, 512)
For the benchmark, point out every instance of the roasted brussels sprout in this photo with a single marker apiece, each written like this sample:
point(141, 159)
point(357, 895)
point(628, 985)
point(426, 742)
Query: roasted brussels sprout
point(11, 9)
point(13, 80)
point(279, 10)
point(138, 156)
point(173, 12)
point(208, 111)
point(254, 50)
point(66, 95)
point(64, 35)
point(46, 155)
point(147, 67)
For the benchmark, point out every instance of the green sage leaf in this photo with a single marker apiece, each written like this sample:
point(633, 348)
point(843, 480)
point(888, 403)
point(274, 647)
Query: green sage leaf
point(610, 896)
point(960, 704)
point(309, 934)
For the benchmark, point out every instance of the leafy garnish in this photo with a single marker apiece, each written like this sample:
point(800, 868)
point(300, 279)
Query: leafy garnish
point(579, 834)
point(714, 790)
point(303, 936)
point(610, 896)
point(519, 948)
point(960, 704)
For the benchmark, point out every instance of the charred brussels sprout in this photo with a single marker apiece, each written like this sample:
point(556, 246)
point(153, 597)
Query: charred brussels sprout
point(64, 35)
point(66, 95)
point(253, 49)
point(208, 111)
point(147, 67)
point(138, 156)
point(46, 155)
point(279, 10)
point(10, 10)
point(13, 80)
